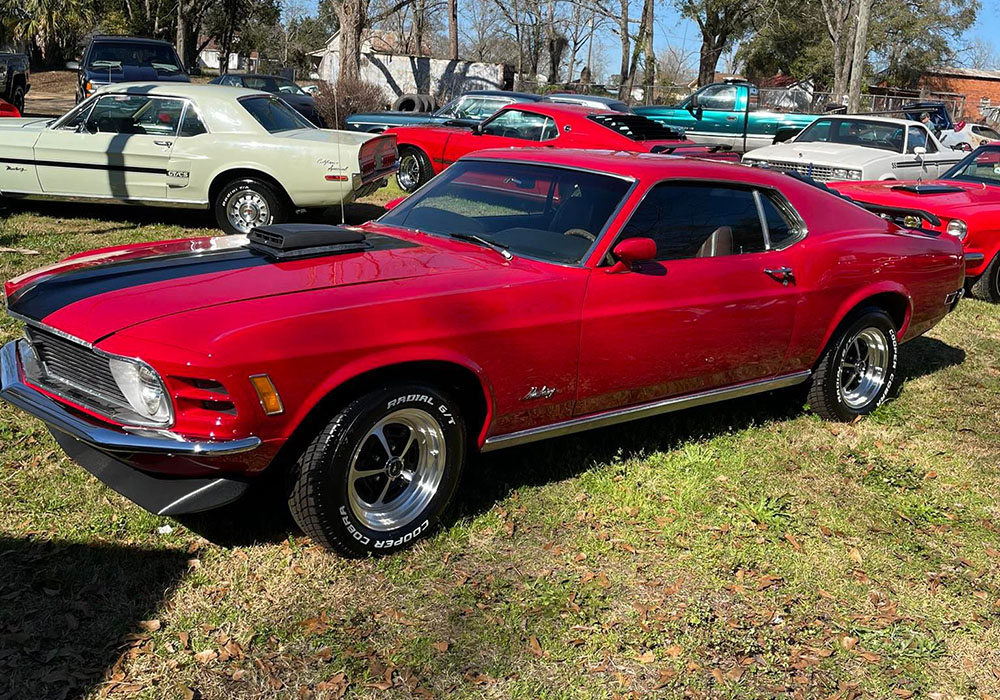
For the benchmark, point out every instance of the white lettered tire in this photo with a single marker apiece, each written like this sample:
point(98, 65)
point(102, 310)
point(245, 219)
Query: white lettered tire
point(379, 475)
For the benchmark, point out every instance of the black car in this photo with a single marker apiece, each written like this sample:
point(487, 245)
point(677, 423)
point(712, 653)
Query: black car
point(126, 59)
point(291, 93)
point(14, 78)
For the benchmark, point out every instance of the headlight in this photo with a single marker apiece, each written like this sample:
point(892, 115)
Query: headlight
point(839, 174)
point(853, 174)
point(142, 388)
point(957, 228)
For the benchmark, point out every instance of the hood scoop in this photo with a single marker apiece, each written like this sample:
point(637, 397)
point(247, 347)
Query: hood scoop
point(292, 241)
point(927, 189)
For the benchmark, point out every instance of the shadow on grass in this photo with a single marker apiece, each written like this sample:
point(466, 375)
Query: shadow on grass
point(65, 610)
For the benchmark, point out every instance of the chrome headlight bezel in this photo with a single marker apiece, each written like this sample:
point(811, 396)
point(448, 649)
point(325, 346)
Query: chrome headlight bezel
point(957, 228)
point(143, 388)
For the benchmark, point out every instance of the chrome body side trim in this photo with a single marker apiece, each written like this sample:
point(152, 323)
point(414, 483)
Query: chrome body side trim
point(621, 415)
point(973, 259)
point(106, 199)
point(103, 438)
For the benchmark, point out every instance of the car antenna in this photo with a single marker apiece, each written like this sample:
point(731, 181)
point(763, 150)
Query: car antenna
point(340, 158)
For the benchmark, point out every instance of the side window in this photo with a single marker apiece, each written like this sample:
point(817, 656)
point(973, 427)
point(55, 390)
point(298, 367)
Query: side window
point(918, 137)
point(192, 124)
point(690, 220)
point(720, 97)
point(135, 114)
point(780, 229)
point(517, 124)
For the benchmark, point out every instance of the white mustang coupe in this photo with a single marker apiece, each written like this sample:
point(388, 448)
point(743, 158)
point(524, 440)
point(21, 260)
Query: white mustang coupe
point(245, 153)
point(848, 147)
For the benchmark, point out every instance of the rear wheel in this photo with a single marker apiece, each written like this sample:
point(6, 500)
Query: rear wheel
point(382, 471)
point(987, 285)
point(246, 203)
point(17, 98)
point(857, 371)
point(414, 169)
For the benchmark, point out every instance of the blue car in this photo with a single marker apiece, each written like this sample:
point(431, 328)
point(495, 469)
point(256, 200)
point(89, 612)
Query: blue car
point(288, 90)
point(471, 108)
point(127, 59)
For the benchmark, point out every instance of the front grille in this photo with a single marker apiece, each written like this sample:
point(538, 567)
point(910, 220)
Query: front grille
point(823, 173)
point(76, 370)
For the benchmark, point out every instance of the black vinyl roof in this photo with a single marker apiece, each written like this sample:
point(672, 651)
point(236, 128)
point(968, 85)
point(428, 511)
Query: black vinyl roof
point(636, 127)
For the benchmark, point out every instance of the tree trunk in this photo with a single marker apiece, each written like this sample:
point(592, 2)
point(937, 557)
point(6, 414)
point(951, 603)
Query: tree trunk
point(626, 50)
point(708, 59)
point(181, 36)
point(860, 53)
point(352, 15)
point(649, 77)
point(453, 29)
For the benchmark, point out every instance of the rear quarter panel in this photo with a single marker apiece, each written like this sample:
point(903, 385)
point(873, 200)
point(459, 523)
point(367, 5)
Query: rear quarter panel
point(428, 139)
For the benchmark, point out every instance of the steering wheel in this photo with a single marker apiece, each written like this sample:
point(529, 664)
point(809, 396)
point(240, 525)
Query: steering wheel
point(582, 233)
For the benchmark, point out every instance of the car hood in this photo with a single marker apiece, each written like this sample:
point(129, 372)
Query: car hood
point(31, 124)
point(96, 294)
point(129, 74)
point(836, 154)
point(957, 196)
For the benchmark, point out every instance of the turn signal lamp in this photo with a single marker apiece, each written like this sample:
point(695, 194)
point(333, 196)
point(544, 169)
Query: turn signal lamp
point(268, 395)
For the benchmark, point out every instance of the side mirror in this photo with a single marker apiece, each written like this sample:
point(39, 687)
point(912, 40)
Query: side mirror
point(393, 203)
point(919, 152)
point(72, 65)
point(194, 70)
point(631, 252)
point(693, 102)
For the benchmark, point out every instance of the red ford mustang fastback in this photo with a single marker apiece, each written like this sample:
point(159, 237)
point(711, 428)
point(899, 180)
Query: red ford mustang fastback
point(966, 203)
point(520, 295)
point(425, 151)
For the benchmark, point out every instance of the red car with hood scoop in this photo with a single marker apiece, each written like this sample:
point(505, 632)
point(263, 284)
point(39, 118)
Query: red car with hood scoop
point(966, 203)
point(426, 150)
point(524, 294)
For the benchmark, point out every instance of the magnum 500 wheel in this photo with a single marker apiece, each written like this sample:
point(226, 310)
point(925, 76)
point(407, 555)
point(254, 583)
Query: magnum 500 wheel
point(381, 472)
point(857, 371)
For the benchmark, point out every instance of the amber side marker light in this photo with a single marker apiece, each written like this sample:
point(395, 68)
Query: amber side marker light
point(268, 395)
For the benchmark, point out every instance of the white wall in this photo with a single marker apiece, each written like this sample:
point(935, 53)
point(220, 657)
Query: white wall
point(209, 58)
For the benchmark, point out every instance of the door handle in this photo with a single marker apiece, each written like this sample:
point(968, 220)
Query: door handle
point(165, 144)
point(781, 274)
point(731, 118)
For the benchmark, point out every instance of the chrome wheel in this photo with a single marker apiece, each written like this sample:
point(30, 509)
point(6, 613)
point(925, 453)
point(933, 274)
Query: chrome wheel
point(248, 209)
point(864, 368)
point(396, 469)
point(408, 175)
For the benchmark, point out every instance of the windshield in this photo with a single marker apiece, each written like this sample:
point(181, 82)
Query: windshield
point(543, 212)
point(287, 87)
point(274, 115)
point(855, 132)
point(115, 55)
point(982, 165)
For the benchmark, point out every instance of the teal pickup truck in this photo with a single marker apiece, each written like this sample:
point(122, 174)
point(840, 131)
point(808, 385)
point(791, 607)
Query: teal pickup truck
point(729, 114)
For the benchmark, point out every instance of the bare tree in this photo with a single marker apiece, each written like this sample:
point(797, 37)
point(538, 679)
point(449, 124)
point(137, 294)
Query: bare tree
point(839, 15)
point(860, 53)
point(721, 22)
point(354, 17)
point(453, 29)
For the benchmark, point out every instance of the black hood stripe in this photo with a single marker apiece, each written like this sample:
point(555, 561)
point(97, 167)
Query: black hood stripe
point(51, 293)
point(60, 289)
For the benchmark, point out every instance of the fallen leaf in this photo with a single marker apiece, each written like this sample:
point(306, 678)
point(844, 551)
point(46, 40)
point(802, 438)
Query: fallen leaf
point(902, 693)
point(849, 642)
point(440, 646)
point(855, 556)
point(674, 651)
point(825, 594)
point(794, 542)
point(204, 657)
point(735, 673)
point(825, 531)
point(870, 656)
point(646, 657)
point(149, 625)
point(602, 580)
point(766, 581)
point(183, 637)
point(665, 677)
point(534, 647)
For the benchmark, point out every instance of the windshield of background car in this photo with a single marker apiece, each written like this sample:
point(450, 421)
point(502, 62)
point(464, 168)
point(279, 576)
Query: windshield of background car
point(982, 165)
point(543, 212)
point(115, 55)
point(274, 115)
point(855, 132)
point(287, 87)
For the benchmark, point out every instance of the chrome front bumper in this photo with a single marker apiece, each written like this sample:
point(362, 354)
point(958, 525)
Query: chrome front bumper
point(104, 451)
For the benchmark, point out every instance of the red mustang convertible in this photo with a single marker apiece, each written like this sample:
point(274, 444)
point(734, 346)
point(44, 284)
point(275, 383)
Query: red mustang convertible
point(523, 294)
point(425, 151)
point(965, 202)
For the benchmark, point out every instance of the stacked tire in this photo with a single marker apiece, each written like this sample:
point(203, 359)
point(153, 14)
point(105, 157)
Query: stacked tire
point(415, 103)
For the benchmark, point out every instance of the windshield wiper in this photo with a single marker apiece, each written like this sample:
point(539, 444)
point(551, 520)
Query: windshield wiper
point(493, 245)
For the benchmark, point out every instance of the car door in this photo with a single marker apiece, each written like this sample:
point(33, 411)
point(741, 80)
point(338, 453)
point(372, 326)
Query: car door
point(119, 149)
point(720, 115)
point(716, 308)
point(508, 128)
point(189, 170)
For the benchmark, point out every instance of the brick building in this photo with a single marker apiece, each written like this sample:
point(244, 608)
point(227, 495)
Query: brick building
point(980, 89)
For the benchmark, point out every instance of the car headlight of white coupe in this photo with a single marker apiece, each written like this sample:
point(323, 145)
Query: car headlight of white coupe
point(142, 388)
point(957, 228)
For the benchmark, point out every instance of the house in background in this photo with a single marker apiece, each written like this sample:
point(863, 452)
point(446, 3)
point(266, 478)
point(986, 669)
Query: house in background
point(979, 88)
point(399, 74)
point(210, 58)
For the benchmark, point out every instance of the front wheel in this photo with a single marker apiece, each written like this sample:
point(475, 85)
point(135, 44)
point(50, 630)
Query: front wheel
point(987, 285)
point(414, 170)
point(247, 203)
point(17, 99)
point(382, 471)
point(857, 371)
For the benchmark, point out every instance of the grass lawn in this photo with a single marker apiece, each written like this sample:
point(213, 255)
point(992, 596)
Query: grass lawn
point(743, 550)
